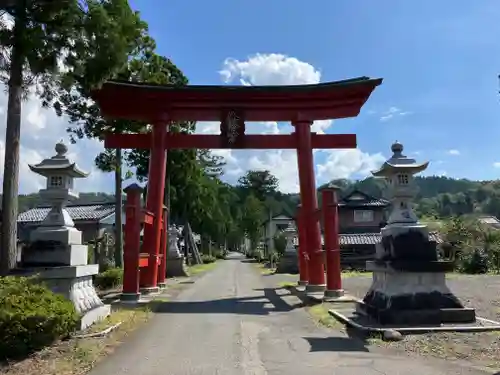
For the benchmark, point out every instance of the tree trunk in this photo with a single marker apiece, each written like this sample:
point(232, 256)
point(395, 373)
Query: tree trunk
point(10, 206)
point(118, 254)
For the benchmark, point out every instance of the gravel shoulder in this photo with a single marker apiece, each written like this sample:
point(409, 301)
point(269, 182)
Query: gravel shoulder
point(481, 292)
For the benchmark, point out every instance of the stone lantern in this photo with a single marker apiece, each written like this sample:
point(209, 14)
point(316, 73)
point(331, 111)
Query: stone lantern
point(409, 285)
point(55, 253)
point(60, 173)
point(176, 266)
point(399, 172)
point(288, 262)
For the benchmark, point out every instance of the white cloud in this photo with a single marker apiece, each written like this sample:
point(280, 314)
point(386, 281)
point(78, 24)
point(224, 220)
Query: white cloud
point(346, 163)
point(277, 69)
point(496, 164)
point(392, 113)
point(41, 129)
point(453, 152)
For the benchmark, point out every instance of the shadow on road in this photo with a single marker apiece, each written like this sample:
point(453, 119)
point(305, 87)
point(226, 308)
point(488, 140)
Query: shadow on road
point(255, 305)
point(336, 344)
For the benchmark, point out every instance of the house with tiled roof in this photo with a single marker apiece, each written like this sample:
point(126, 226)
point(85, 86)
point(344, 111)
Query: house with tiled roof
point(90, 219)
point(361, 213)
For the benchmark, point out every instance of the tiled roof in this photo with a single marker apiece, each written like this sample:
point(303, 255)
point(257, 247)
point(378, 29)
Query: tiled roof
point(359, 199)
point(368, 203)
point(88, 212)
point(369, 238)
point(373, 238)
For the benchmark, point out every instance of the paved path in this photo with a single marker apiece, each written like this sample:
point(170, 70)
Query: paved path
point(231, 323)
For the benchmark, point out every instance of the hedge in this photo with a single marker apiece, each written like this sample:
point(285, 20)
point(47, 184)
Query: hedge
point(32, 317)
point(111, 278)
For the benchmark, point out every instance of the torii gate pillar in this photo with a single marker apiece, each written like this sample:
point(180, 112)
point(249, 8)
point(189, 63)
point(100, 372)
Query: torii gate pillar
point(309, 207)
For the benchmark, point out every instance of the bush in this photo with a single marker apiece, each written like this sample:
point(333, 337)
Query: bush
point(109, 279)
point(31, 317)
point(474, 262)
point(220, 254)
point(208, 258)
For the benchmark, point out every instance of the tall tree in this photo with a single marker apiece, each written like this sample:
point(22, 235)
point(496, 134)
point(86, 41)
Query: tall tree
point(260, 183)
point(46, 35)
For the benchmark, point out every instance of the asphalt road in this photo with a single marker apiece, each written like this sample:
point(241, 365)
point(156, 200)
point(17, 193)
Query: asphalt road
point(231, 323)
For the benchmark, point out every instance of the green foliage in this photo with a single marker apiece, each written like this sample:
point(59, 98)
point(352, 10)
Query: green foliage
point(219, 253)
point(109, 279)
point(32, 317)
point(474, 262)
point(208, 258)
point(280, 243)
point(252, 218)
point(261, 184)
point(476, 246)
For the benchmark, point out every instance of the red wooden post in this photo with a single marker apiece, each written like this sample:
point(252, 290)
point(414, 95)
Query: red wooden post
point(154, 204)
point(303, 257)
point(162, 270)
point(132, 244)
point(332, 245)
point(309, 203)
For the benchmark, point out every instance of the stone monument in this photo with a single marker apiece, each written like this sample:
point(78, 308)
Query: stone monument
point(176, 265)
point(288, 262)
point(409, 285)
point(56, 253)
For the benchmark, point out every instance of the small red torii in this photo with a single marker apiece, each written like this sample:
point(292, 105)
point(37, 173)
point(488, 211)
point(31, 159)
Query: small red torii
point(233, 106)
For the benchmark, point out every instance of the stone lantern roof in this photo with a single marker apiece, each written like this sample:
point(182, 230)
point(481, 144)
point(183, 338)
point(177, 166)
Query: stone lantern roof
point(58, 164)
point(399, 163)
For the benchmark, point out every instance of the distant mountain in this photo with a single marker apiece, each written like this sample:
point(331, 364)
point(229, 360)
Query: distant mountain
point(438, 196)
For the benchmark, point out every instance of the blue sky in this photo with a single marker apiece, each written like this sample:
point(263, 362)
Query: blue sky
point(439, 61)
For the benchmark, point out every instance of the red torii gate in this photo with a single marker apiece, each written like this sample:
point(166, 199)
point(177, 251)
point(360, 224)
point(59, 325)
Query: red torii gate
point(232, 106)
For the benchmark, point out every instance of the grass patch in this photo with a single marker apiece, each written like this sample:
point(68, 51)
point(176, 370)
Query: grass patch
point(77, 356)
point(264, 270)
point(200, 268)
point(267, 271)
point(320, 314)
point(287, 284)
point(347, 274)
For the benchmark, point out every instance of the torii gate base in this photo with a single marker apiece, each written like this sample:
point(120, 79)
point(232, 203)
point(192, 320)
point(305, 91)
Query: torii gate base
point(233, 105)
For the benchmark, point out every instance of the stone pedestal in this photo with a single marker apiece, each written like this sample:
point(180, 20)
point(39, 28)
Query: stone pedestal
point(289, 261)
point(176, 265)
point(75, 283)
point(412, 293)
point(409, 283)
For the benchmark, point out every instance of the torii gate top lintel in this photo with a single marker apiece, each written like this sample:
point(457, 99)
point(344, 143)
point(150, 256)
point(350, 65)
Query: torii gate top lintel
point(233, 106)
point(150, 103)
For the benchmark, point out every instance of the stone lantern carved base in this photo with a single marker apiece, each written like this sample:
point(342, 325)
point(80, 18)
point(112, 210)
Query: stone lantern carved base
point(409, 284)
point(75, 284)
